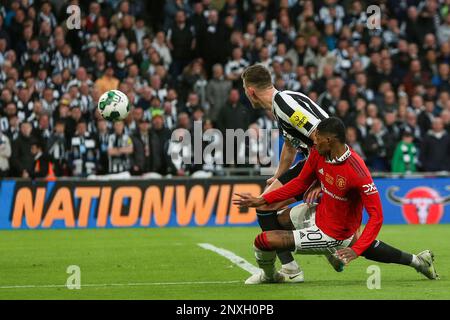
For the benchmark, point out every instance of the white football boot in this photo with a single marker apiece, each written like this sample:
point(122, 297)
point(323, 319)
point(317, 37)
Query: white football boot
point(260, 278)
point(427, 265)
point(292, 276)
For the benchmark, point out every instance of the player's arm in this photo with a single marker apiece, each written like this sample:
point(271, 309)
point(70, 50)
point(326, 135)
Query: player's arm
point(372, 202)
point(296, 186)
point(287, 157)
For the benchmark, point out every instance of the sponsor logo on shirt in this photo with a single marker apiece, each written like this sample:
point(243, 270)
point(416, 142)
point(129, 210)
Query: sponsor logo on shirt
point(329, 178)
point(370, 188)
point(331, 194)
point(298, 119)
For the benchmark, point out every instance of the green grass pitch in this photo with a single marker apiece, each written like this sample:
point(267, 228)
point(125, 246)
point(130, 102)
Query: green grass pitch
point(154, 264)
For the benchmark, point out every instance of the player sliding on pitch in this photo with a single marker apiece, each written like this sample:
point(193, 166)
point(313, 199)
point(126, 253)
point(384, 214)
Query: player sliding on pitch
point(298, 117)
point(331, 226)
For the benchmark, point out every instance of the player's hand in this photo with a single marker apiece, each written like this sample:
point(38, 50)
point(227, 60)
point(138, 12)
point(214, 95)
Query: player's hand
point(246, 200)
point(271, 180)
point(313, 193)
point(346, 255)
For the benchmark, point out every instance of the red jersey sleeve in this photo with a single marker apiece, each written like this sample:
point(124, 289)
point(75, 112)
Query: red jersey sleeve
point(297, 185)
point(372, 202)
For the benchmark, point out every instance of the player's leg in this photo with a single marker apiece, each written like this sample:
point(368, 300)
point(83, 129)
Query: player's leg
point(266, 245)
point(267, 216)
point(304, 216)
point(423, 262)
point(307, 240)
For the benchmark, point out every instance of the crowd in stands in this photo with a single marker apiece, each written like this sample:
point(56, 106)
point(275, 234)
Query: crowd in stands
point(178, 61)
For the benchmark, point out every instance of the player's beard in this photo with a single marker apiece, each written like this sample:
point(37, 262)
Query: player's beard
point(256, 104)
point(323, 153)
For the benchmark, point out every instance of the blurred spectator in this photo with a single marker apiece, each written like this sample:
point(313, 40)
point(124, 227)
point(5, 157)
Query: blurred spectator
point(445, 116)
point(353, 142)
point(160, 137)
point(57, 147)
point(102, 138)
point(435, 148)
point(444, 31)
point(235, 67)
point(233, 115)
point(42, 166)
point(108, 81)
point(140, 160)
point(405, 155)
point(120, 148)
point(193, 102)
point(375, 146)
point(415, 76)
point(22, 159)
point(411, 125)
point(212, 40)
point(344, 113)
point(161, 47)
point(181, 40)
point(5, 155)
point(425, 118)
point(83, 155)
point(217, 92)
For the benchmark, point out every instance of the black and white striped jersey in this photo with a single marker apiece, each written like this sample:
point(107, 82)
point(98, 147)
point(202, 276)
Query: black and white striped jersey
point(297, 116)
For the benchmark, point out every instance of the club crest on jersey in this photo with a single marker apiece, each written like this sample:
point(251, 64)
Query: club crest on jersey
point(329, 178)
point(340, 182)
point(420, 205)
point(298, 119)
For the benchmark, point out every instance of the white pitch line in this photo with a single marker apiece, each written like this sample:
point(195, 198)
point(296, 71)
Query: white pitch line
point(99, 285)
point(239, 261)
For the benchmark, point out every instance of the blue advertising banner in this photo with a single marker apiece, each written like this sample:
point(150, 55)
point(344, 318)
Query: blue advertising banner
point(186, 202)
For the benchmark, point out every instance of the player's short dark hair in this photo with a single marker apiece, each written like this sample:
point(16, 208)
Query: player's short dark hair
point(257, 76)
point(333, 126)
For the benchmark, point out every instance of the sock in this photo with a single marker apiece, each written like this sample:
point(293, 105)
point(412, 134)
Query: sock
point(268, 221)
point(291, 266)
point(266, 261)
point(415, 262)
point(382, 252)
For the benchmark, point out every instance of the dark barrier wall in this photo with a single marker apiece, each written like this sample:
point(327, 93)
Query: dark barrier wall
point(184, 202)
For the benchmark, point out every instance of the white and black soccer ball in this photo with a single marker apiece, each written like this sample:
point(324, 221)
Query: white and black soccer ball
point(113, 105)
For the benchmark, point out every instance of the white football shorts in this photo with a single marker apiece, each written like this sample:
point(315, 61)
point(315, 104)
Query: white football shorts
point(309, 239)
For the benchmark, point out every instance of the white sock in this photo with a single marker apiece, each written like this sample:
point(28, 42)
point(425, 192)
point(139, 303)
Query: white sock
point(291, 266)
point(266, 261)
point(415, 263)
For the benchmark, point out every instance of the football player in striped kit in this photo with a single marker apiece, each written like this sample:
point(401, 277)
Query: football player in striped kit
point(298, 117)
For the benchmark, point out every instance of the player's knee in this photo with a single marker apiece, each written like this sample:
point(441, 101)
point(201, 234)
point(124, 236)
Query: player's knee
point(262, 243)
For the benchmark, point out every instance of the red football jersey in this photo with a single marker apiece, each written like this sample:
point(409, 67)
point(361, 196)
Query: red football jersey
point(346, 186)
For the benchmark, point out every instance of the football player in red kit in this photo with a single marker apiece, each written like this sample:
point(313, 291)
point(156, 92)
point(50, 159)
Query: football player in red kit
point(332, 225)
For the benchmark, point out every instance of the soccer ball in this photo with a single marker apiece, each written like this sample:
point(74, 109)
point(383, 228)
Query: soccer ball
point(113, 105)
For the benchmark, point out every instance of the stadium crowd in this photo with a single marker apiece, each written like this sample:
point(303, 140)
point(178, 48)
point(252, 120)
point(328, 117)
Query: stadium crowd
point(179, 61)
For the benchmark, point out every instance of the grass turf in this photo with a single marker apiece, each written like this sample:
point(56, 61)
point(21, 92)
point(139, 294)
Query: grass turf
point(112, 257)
